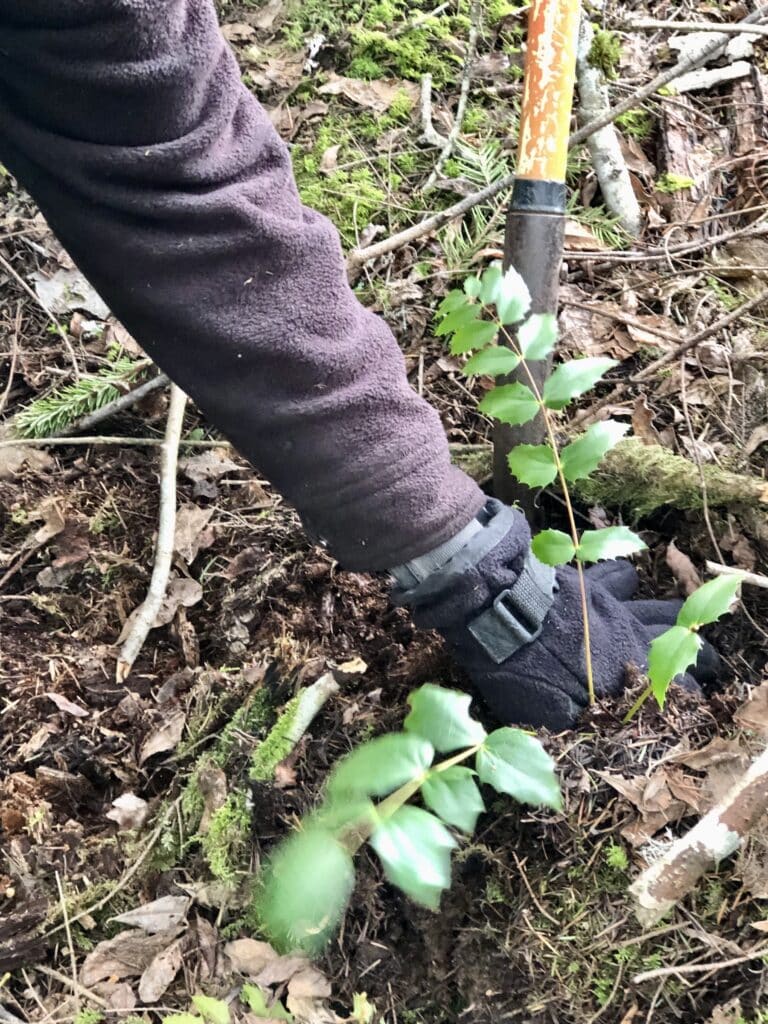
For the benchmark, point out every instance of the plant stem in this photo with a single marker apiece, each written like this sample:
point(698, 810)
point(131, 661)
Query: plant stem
point(569, 509)
point(359, 834)
point(637, 705)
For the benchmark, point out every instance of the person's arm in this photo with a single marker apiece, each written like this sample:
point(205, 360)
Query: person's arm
point(128, 123)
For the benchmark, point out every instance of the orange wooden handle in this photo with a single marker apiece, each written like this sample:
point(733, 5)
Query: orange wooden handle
point(553, 27)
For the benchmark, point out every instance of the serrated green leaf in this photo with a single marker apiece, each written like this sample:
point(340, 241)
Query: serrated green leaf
point(415, 850)
point(513, 300)
point(553, 547)
point(473, 287)
point(571, 379)
point(537, 336)
point(612, 542)
point(453, 796)
point(490, 282)
point(533, 464)
point(495, 361)
point(670, 655)
point(256, 1001)
point(515, 763)
point(381, 765)
point(475, 335)
point(452, 301)
point(510, 403)
point(295, 911)
point(442, 717)
point(709, 602)
point(457, 319)
point(584, 455)
point(212, 1010)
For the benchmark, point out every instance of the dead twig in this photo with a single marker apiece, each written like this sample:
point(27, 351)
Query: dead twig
point(429, 135)
point(81, 442)
point(718, 835)
point(752, 578)
point(718, 965)
point(75, 986)
point(466, 78)
point(14, 356)
point(695, 26)
point(147, 612)
point(119, 404)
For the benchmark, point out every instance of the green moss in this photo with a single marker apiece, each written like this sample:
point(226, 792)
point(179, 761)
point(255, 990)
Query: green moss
point(350, 198)
point(88, 1016)
point(616, 857)
point(366, 67)
point(636, 123)
point(605, 52)
point(225, 844)
point(276, 747)
point(671, 183)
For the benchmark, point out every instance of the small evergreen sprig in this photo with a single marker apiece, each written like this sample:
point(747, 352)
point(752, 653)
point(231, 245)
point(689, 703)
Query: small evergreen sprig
point(48, 416)
point(308, 881)
point(497, 304)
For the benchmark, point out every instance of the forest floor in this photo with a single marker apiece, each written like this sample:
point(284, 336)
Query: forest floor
point(116, 796)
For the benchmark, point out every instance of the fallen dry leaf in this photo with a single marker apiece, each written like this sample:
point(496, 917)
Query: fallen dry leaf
point(68, 290)
point(758, 437)
point(238, 32)
point(376, 95)
point(14, 457)
point(126, 956)
point(160, 915)
point(165, 737)
point(129, 811)
point(118, 995)
point(579, 238)
point(160, 973)
point(265, 17)
point(67, 706)
point(205, 469)
point(642, 422)
point(249, 956)
point(191, 535)
point(753, 715)
point(329, 160)
point(683, 569)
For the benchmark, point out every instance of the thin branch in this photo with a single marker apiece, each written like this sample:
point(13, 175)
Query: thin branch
point(81, 442)
point(429, 134)
point(14, 356)
point(696, 26)
point(10, 269)
point(147, 611)
point(119, 404)
point(466, 78)
point(717, 965)
point(752, 578)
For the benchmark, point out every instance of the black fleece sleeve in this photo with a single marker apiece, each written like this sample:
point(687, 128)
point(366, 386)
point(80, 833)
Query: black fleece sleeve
point(128, 123)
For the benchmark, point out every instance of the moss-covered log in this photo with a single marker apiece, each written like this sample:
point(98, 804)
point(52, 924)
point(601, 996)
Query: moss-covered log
point(642, 478)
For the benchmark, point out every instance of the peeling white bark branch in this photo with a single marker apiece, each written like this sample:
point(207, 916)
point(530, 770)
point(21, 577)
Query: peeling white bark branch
point(717, 836)
point(147, 611)
point(603, 145)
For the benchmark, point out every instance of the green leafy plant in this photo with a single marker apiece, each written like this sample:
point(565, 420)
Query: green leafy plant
point(413, 843)
point(671, 183)
point(497, 305)
point(46, 416)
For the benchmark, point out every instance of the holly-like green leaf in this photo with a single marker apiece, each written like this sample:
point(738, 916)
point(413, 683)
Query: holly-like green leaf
point(510, 403)
point(296, 912)
point(495, 361)
point(553, 547)
point(513, 300)
point(458, 318)
point(709, 602)
point(515, 763)
point(453, 796)
point(453, 300)
point(256, 1001)
point(670, 655)
point(212, 1010)
point(474, 335)
point(583, 456)
point(571, 379)
point(381, 765)
point(533, 464)
point(473, 287)
point(442, 717)
point(415, 849)
point(537, 336)
point(612, 542)
point(490, 283)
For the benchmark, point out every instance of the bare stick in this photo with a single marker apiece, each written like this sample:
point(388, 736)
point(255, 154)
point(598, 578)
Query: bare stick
point(429, 134)
point(82, 442)
point(752, 578)
point(696, 26)
point(688, 63)
point(450, 142)
point(119, 404)
point(147, 612)
point(718, 835)
point(604, 147)
point(718, 965)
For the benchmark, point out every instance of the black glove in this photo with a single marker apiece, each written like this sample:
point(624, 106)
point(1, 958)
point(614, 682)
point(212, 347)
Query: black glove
point(516, 625)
